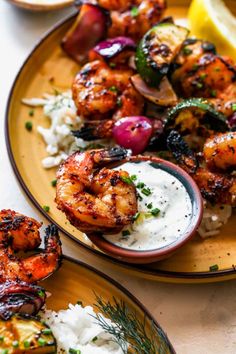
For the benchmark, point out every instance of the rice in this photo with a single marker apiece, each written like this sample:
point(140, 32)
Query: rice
point(214, 217)
point(76, 328)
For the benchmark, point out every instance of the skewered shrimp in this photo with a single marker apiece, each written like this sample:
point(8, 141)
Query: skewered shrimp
point(133, 18)
point(18, 231)
point(220, 151)
point(95, 200)
point(100, 92)
point(215, 186)
point(201, 73)
point(33, 268)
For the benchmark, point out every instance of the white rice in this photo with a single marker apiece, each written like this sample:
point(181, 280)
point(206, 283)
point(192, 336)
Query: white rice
point(214, 217)
point(76, 328)
point(61, 111)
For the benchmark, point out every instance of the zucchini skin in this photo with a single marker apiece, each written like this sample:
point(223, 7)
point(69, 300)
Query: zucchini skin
point(150, 70)
point(216, 120)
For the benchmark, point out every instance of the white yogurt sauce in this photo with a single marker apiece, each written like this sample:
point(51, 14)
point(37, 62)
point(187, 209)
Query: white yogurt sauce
point(167, 194)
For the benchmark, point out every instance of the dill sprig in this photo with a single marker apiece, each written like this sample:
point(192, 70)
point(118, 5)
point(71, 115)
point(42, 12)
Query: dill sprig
point(129, 329)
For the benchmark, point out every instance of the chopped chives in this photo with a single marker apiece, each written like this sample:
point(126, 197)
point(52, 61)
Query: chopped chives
point(46, 331)
point(133, 177)
point(26, 344)
point(127, 180)
point(54, 182)
point(41, 342)
point(125, 233)
point(213, 267)
point(149, 206)
point(136, 216)
point(29, 126)
point(134, 11)
point(140, 185)
point(74, 351)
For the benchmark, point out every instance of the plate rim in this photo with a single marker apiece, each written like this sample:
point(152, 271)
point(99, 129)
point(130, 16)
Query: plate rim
point(162, 275)
point(40, 7)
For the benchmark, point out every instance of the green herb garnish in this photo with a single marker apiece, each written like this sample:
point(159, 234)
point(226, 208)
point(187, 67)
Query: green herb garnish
point(46, 331)
point(54, 182)
point(146, 191)
point(149, 206)
point(155, 211)
point(94, 339)
point(41, 293)
point(1, 339)
point(112, 65)
point(213, 267)
point(199, 85)
point(41, 342)
point(129, 329)
point(15, 344)
point(134, 11)
point(136, 216)
point(119, 102)
point(31, 112)
point(203, 76)
point(140, 185)
point(29, 126)
point(187, 51)
point(234, 107)
point(133, 177)
point(113, 89)
point(26, 344)
point(79, 302)
point(74, 351)
point(125, 233)
point(4, 351)
point(46, 208)
point(127, 180)
point(213, 93)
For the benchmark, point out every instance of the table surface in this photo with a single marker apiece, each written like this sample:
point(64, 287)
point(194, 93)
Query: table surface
point(199, 319)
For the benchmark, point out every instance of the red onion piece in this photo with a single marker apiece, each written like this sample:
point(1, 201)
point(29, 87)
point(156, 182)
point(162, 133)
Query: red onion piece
point(133, 133)
point(163, 95)
point(111, 48)
point(89, 28)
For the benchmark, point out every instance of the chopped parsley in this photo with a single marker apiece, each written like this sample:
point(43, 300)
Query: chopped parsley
point(155, 211)
point(134, 11)
point(146, 191)
point(133, 177)
point(29, 126)
point(149, 206)
point(213, 267)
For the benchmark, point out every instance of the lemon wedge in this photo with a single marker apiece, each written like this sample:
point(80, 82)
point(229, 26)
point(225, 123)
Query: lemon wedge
point(212, 20)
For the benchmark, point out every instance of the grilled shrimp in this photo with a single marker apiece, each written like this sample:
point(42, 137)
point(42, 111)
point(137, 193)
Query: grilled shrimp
point(220, 151)
point(217, 187)
point(18, 231)
point(95, 199)
point(33, 268)
point(100, 92)
point(133, 18)
point(201, 73)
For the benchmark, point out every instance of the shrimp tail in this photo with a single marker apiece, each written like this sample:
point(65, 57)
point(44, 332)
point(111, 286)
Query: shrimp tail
point(93, 130)
point(182, 153)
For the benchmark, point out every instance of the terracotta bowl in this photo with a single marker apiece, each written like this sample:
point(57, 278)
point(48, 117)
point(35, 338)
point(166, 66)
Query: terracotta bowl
point(149, 256)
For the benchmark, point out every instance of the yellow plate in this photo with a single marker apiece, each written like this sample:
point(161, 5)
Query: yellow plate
point(42, 5)
point(26, 150)
point(76, 281)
